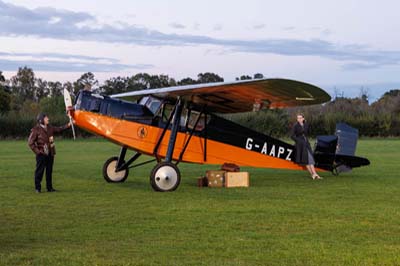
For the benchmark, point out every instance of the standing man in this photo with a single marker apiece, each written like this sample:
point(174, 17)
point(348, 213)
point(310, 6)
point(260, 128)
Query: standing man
point(41, 141)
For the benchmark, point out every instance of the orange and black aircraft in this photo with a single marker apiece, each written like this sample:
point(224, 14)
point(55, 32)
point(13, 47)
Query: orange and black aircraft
point(180, 124)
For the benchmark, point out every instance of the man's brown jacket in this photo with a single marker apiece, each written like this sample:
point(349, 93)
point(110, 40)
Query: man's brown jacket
point(41, 139)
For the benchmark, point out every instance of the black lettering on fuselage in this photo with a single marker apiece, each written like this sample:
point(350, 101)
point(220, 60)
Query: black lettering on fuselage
point(269, 149)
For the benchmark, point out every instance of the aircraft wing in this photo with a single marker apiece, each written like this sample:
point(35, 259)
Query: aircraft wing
point(240, 96)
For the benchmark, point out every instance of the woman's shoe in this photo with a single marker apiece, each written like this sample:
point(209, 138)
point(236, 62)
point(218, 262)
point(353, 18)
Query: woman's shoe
point(314, 177)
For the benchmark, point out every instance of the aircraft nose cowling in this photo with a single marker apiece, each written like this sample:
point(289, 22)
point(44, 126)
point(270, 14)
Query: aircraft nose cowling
point(70, 111)
point(69, 108)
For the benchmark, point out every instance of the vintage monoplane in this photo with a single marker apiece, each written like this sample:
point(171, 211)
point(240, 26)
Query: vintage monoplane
point(179, 124)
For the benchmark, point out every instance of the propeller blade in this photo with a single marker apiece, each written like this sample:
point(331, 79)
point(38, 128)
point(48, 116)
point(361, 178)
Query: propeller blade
point(67, 99)
point(68, 106)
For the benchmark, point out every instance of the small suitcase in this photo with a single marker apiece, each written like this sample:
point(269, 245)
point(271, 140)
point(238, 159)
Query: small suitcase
point(230, 167)
point(202, 181)
point(237, 179)
point(215, 178)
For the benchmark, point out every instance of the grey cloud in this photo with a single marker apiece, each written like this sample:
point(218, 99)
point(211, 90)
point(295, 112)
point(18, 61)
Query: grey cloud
point(20, 21)
point(196, 26)
point(42, 14)
point(321, 30)
point(56, 62)
point(360, 66)
point(259, 26)
point(177, 25)
point(326, 32)
point(290, 28)
point(217, 27)
point(59, 56)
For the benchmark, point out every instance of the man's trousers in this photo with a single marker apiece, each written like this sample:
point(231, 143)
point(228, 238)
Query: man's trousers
point(44, 162)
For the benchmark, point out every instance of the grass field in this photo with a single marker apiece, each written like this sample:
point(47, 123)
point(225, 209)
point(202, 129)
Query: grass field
point(284, 218)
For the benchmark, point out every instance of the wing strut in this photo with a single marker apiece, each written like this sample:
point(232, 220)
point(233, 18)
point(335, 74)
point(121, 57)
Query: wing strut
point(190, 136)
point(175, 116)
point(163, 133)
point(174, 130)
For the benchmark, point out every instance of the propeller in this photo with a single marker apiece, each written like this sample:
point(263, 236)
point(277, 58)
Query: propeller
point(68, 107)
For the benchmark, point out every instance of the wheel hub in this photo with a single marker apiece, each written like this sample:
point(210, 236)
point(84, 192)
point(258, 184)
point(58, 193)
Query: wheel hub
point(112, 174)
point(166, 177)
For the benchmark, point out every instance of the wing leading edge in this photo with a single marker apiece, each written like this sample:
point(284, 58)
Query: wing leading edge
point(240, 96)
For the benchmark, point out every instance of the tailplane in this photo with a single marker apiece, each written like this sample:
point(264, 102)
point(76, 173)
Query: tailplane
point(336, 153)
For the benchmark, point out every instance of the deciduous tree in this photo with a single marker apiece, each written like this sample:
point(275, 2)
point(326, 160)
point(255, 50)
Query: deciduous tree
point(23, 84)
point(208, 77)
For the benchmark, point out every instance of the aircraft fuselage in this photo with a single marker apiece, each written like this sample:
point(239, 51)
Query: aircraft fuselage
point(214, 140)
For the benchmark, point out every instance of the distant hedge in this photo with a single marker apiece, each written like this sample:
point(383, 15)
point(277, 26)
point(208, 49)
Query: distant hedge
point(278, 123)
point(19, 126)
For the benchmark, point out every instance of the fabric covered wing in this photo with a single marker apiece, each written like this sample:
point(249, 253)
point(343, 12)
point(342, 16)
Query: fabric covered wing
point(240, 96)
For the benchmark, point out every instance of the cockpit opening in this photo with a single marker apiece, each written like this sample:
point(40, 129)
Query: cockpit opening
point(152, 103)
point(117, 108)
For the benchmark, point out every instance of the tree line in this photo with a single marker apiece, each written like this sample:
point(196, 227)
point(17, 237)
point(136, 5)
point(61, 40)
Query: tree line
point(24, 95)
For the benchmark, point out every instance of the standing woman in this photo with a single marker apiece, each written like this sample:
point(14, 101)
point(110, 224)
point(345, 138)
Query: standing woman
point(304, 154)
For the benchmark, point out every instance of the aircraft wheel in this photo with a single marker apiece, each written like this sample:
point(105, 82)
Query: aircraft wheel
point(165, 177)
point(109, 173)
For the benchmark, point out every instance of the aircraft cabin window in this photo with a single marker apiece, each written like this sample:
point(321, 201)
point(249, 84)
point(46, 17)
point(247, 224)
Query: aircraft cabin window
point(184, 118)
point(153, 105)
point(127, 110)
point(144, 100)
point(166, 111)
point(194, 115)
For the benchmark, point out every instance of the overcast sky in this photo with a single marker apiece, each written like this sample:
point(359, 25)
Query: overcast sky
point(342, 44)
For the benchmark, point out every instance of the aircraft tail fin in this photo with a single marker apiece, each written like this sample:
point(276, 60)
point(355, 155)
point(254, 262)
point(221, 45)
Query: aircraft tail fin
point(347, 139)
point(336, 153)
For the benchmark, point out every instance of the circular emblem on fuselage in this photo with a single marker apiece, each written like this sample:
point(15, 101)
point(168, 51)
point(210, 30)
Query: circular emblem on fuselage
point(142, 132)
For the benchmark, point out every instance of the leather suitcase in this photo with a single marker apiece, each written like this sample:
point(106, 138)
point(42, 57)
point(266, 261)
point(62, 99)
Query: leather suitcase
point(215, 178)
point(202, 181)
point(237, 179)
point(230, 167)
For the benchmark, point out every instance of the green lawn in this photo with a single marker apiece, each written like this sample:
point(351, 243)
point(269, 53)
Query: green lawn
point(284, 218)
